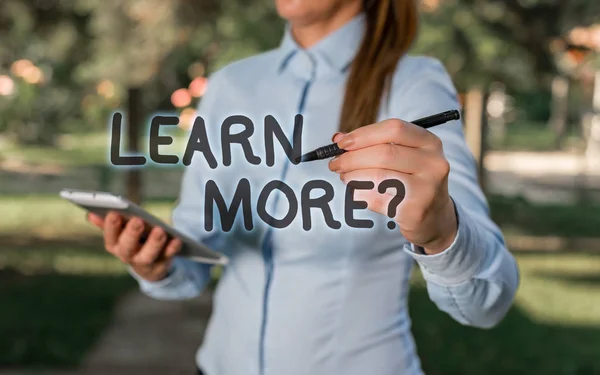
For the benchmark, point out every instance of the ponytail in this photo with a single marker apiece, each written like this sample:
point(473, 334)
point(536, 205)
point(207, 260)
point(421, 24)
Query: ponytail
point(391, 27)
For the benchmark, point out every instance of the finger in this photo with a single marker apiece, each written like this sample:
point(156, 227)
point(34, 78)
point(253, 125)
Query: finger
point(376, 176)
point(129, 240)
point(412, 191)
point(378, 201)
point(390, 131)
point(172, 248)
point(152, 248)
point(337, 136)
point(95, 220)
point(112, 229)
point(384, 156)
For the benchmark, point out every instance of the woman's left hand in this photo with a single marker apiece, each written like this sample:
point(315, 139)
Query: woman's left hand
point(394, 149)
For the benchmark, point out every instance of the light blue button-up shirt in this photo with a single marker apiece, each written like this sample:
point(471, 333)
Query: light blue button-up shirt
point(327, 301)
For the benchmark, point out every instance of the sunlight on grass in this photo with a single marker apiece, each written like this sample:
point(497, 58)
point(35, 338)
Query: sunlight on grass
point(50, 216)
point(561, 289)
point(82, 149)
point(68, 286)
point(553, 328)
point(42, 216)
point(532, 136)
point(516, 215)
point(93, 148)
point(557, 288)
point(88, 149)
point(62, 260)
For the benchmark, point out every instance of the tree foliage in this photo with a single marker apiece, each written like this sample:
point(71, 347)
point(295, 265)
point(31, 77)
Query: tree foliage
point(50, 35)
point(513, 41)
point(149, 44)
point(92, 51)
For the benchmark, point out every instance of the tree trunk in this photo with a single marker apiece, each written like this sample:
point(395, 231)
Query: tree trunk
point(559, 109)
point(495, 114)
point(133, 177)
point(593, 134)
point(475, 129)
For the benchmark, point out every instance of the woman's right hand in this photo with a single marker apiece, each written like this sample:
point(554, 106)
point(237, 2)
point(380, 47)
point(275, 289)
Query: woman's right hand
point(150, 259)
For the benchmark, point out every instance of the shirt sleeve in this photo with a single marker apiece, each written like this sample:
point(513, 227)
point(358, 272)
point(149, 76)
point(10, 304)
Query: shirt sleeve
point(476, 278)
point(187, 279)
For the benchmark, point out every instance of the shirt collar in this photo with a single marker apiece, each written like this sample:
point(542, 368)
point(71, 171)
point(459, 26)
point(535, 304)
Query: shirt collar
point(337, 49)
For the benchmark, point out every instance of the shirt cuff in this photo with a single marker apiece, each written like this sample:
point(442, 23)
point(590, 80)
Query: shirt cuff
point(459, 262)
point(174, 277)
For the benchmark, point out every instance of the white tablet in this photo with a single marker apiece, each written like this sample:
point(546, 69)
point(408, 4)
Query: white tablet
point(100, 203)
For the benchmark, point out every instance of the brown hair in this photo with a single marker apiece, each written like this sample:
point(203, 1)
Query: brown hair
point(391, 28)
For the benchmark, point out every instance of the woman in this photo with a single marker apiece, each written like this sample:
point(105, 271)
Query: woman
point(329, 301)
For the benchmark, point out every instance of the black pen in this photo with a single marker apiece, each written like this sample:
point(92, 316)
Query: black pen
point(332, 150)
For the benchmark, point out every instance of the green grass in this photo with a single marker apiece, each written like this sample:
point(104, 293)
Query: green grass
point(76, 150)
point(529, 136)
point(58, 290)
point(93, 149)
point(49, 216)
point(57, 304)
point(553, 328)
point(518, 216)
point(56, 301)
point(37, 215)
point(58, 287)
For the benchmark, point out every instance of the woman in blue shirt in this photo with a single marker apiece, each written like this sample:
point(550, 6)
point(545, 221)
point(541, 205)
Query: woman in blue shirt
point(333, 301)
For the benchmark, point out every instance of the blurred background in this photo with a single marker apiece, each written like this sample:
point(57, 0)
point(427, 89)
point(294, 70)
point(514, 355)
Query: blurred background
point(528, 73)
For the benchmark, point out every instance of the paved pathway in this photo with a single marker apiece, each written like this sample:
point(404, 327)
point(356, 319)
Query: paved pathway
point(542, 177)
point(146, 337)
point(151, 337)
point(538, 176)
